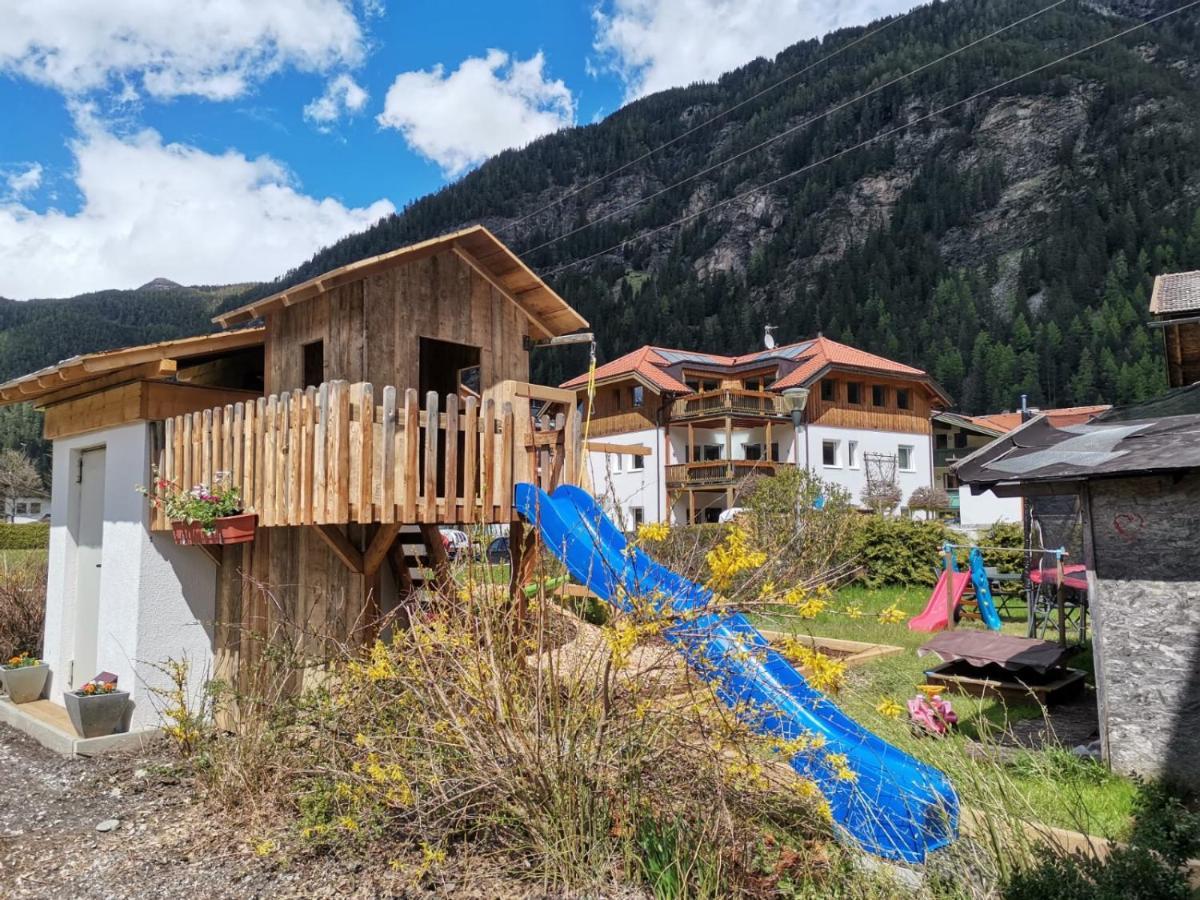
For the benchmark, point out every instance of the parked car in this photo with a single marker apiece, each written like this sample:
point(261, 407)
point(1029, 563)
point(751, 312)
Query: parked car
point(458, 544)
point(497, 551)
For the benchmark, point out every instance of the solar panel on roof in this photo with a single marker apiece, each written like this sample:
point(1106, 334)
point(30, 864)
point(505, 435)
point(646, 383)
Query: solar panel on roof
point(678, 356)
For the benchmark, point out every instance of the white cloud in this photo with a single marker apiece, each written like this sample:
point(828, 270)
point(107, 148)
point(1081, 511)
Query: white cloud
point(209, 48)
point(486, 105)
point(156, 209)
point(24, 181)
point(342, 95)
point(658, 44)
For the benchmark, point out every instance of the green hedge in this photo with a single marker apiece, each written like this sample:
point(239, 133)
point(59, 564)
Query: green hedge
point(35, 536)
point(901, 551)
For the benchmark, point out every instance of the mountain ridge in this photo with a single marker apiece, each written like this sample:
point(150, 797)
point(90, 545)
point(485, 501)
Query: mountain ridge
point(1007, 245)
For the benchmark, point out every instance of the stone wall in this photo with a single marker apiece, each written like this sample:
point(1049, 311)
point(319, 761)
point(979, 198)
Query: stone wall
point(1146, 619)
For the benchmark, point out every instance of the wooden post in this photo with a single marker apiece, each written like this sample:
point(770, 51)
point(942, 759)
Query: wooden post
point(524, 548)
point(948, 561)
point(1062, 601)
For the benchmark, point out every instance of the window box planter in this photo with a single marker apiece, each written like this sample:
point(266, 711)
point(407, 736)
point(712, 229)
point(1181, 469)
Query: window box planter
point(24, 684)
point(97, 715)
point(237, 529)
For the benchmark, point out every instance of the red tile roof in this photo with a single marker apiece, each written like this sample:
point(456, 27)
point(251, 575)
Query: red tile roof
point(651, 362)
point(1066, 415)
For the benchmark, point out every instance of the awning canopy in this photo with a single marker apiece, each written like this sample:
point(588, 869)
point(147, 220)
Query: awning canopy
point(981, 648)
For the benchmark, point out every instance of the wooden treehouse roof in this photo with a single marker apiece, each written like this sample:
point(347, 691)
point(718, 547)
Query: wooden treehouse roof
point(549, 314)
point(147, 361)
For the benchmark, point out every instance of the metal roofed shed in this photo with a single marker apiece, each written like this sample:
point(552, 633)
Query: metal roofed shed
point(1134, 475)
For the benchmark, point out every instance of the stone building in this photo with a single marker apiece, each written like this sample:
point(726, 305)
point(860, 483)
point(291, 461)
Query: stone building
point(1136, 472)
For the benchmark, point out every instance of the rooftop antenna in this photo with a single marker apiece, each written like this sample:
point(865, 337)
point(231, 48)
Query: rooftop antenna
point(768, 338)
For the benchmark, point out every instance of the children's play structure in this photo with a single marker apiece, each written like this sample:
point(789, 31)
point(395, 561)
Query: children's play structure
point(954, 583)
point(894, 805)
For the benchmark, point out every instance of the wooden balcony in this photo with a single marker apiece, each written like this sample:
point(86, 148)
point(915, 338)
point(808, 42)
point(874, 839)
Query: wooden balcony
point(719, 473)
point(336, 455)
point(728, 402)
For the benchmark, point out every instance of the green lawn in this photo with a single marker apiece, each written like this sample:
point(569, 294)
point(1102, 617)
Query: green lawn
point(1049, 785)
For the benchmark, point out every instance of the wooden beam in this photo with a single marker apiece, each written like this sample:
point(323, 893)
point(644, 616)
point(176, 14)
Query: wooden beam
point(487, 276)
point(337, 541)
point(631, 449)
point(439, 560)
point(377, 550)
point(214, 552)
point(163, 368)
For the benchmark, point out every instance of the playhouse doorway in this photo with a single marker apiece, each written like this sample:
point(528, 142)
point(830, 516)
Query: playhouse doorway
point(448, 368)
point(89, 537)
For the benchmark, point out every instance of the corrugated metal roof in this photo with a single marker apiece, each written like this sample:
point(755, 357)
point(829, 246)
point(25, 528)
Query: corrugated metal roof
point(1040, 452)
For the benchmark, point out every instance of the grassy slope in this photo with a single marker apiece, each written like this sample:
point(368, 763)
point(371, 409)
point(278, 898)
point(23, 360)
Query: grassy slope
point(1051, 786)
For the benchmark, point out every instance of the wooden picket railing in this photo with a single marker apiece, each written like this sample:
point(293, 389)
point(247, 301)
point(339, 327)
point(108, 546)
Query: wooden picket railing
point(332, 455)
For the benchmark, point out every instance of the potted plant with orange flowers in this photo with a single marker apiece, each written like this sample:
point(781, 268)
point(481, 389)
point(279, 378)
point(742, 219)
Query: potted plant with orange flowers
point(97, 708)
point(205, 513)
point(24, 678)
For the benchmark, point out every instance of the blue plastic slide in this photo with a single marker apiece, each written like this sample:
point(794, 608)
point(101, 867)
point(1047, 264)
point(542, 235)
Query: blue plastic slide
point(894, 806)
point(983, 591)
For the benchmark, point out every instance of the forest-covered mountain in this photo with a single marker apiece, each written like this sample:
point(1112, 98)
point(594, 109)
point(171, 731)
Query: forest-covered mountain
point(1007, 244)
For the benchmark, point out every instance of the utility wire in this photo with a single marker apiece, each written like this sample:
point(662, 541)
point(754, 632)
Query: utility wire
point(725, 112)
point(778, 137)
point(871, 140)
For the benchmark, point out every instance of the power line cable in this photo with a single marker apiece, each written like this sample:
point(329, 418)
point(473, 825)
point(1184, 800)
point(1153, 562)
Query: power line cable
point(747, 193)
point(725, 112)
point(778, 137)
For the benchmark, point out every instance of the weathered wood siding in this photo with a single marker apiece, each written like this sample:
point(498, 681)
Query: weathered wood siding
point(372, 328)
point(1146, 617)
point(614, 412)
point(840, 413)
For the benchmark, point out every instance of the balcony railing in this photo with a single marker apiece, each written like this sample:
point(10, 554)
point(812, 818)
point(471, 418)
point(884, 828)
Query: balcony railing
point(720, 473)
point(332, 455)
point(728, 402)
point(945, 456)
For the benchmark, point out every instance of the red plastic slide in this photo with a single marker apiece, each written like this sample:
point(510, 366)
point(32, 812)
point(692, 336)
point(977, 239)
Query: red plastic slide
point(934, 616)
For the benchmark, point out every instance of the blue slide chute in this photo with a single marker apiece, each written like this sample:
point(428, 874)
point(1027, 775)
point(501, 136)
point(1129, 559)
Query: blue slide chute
point(983, 591)
point(894, 806)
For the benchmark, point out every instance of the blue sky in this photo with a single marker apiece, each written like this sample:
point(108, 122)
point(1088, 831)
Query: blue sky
point(211, 142)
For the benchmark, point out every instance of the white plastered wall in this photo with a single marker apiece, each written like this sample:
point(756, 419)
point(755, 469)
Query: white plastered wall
point(616, 483)
point(854, 478)
point(156, 599)
point(982, 510)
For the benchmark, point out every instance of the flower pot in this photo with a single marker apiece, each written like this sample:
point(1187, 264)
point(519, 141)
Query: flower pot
point(98, 714)
point(26, 683)
point(227, 530)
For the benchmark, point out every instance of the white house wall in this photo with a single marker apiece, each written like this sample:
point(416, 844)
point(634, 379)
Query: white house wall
point(620, 487)
point(854, 478)
point(983, 510)
point(156, 600)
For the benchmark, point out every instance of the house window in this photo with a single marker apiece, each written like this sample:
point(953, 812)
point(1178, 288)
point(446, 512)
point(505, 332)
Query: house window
point(639, 395)
point(711, 452)
point(854, 393)
point(829, 454)
point(753, 384)
point(639, 461)
point(617, 461)
point(639, 515)
point(22, 508)
point(960, 440)
point(852, 454)
point(314, 363)
point(35, 508)
point(709, 385)
point(878, 395)
point(828, 390)
point(942, 441)
point(904, 458)
point(902, 398)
